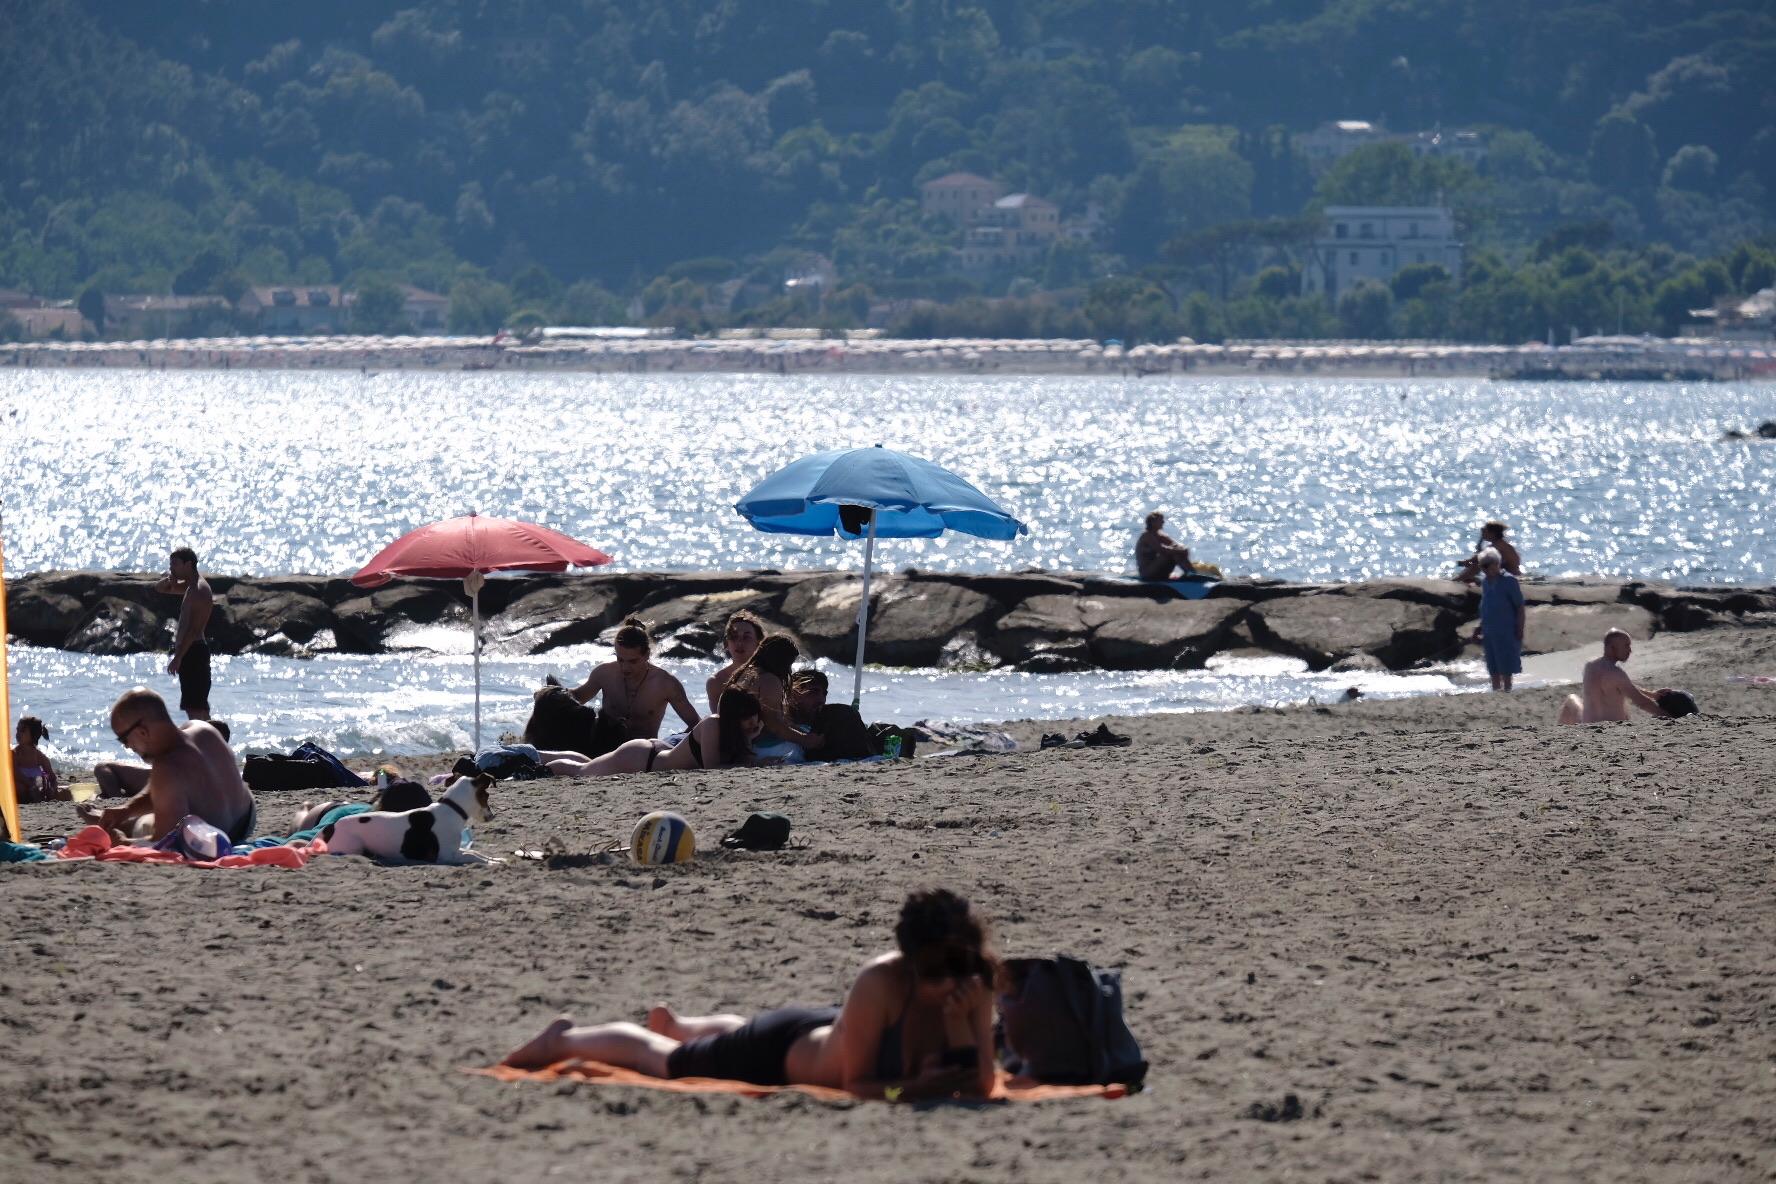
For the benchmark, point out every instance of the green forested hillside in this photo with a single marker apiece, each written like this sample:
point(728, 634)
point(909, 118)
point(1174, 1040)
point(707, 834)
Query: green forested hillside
point(564, 157)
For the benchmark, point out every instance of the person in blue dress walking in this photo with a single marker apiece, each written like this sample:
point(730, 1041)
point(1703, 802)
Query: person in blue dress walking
point(1501, 620)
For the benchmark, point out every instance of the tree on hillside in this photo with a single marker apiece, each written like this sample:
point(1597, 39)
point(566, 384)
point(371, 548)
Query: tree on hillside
point(379, 308)
point(92, 306)
point(1366, 311)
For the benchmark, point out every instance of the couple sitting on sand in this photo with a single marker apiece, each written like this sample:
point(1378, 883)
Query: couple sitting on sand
point(916, 1024)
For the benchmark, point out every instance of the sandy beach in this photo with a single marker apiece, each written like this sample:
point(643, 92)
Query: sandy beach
point(1475, 946)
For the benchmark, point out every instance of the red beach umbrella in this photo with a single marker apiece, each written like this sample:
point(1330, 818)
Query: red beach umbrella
point(467, 549)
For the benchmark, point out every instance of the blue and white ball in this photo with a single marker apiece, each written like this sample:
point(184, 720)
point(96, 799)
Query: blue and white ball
point(662, 837)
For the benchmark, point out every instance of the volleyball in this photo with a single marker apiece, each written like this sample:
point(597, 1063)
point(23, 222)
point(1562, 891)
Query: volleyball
point(662, 837)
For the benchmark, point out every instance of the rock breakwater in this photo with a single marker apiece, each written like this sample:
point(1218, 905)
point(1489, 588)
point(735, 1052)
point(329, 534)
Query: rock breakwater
point(1035, 621)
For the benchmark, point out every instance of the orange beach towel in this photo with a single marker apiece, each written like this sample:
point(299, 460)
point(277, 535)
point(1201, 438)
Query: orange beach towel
point(1006, 1089)
point(93, 842)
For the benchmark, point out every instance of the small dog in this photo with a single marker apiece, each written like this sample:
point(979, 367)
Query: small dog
point(431, 835)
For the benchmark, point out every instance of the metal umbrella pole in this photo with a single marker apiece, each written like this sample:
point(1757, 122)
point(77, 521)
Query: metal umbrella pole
point(869, 555)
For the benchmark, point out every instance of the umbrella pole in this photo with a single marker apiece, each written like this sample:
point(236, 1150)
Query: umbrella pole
point(475, 609)
point(869, 555)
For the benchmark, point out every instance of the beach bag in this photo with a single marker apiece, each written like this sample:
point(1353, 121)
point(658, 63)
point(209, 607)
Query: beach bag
point(344, 778)
point(275, 771)
point(1060, 1022)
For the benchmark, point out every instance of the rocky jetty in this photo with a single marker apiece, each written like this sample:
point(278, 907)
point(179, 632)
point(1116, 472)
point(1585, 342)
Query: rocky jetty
point(1035, 621)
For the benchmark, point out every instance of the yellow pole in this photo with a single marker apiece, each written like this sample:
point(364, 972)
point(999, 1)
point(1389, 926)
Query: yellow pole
point(8, 791)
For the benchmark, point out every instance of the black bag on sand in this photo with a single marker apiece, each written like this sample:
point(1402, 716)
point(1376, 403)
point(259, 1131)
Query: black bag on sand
point(275, 771)
point(760, 832)
point(1060, 1021)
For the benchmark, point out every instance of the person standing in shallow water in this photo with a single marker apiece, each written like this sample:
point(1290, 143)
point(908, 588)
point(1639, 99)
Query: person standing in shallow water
point(1502, 619)
point(191, 654)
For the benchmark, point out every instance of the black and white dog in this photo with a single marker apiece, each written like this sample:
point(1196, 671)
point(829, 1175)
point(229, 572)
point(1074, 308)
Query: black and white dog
point(431, 835)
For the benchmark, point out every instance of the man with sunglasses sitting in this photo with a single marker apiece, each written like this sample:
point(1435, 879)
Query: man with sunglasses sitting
point(191, 770)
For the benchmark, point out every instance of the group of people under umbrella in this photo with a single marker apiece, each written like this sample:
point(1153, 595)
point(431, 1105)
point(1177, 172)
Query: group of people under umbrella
point(854, 493)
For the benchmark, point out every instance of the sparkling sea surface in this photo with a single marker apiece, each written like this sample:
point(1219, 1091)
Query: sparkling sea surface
point(1309, 479)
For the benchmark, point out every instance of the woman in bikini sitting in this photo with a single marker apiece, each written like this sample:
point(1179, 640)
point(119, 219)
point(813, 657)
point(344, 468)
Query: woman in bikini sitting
point(766, 675)
point(741, 638)
point(724, 738)
point(916, 1024)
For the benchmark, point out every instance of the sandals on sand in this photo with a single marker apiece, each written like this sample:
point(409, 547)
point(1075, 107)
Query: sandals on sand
point(1102, 738)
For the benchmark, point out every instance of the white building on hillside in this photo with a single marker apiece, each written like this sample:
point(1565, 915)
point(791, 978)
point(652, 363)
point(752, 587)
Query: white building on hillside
point(1375, 242)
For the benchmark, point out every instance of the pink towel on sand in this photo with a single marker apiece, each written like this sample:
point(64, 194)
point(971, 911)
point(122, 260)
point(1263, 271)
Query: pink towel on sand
point(94, 842)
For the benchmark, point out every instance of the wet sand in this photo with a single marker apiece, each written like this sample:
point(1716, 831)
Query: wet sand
point(1474, 945)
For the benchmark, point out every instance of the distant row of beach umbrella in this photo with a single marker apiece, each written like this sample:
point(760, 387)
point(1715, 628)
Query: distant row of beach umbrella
point(866, 353)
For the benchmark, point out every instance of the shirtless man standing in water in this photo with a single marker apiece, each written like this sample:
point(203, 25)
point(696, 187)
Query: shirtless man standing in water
point(1607, 688)
point(632, 690)
point(191, 654)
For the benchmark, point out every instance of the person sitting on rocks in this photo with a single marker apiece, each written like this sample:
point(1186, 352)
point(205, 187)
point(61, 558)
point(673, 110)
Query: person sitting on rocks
point(635, 692)
point(1492, 538)
point(191, 771)
point(1607, 688)
point(1157, 554)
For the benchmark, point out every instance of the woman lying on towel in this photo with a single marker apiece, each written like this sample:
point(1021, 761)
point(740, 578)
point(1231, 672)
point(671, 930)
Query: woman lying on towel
point(724, 738)
point(917, 1024)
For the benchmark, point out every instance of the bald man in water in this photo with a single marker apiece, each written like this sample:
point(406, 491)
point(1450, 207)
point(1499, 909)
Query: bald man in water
point(1607, 688)
point(191, 770)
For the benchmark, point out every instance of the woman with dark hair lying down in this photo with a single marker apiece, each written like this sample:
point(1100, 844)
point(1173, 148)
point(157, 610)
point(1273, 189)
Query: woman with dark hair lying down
point(916, 1024)
point(724, 738)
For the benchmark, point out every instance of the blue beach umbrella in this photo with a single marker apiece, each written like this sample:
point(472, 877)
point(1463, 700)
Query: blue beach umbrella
point(870, 493)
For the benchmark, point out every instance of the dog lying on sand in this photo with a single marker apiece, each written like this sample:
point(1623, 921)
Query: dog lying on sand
point(431, 835)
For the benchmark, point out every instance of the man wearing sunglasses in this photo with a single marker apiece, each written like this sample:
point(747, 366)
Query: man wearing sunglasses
point(191, 770)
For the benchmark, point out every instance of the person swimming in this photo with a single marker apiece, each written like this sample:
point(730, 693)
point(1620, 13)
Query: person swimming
point(916, 1024)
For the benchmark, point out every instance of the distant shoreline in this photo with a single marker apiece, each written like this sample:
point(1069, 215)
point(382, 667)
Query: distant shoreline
point(1650, 359)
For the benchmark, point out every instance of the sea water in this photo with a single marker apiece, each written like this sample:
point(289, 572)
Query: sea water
point(269, 472)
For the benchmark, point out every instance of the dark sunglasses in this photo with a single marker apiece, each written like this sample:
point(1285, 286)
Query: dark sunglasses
point(123, 736)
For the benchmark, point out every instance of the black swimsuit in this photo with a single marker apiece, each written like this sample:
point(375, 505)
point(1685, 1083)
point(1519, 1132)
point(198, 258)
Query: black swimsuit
point(757, 1050)
point(655, 751)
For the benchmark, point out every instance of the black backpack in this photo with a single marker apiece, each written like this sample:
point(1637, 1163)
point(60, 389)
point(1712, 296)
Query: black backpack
point(1060, 1022)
